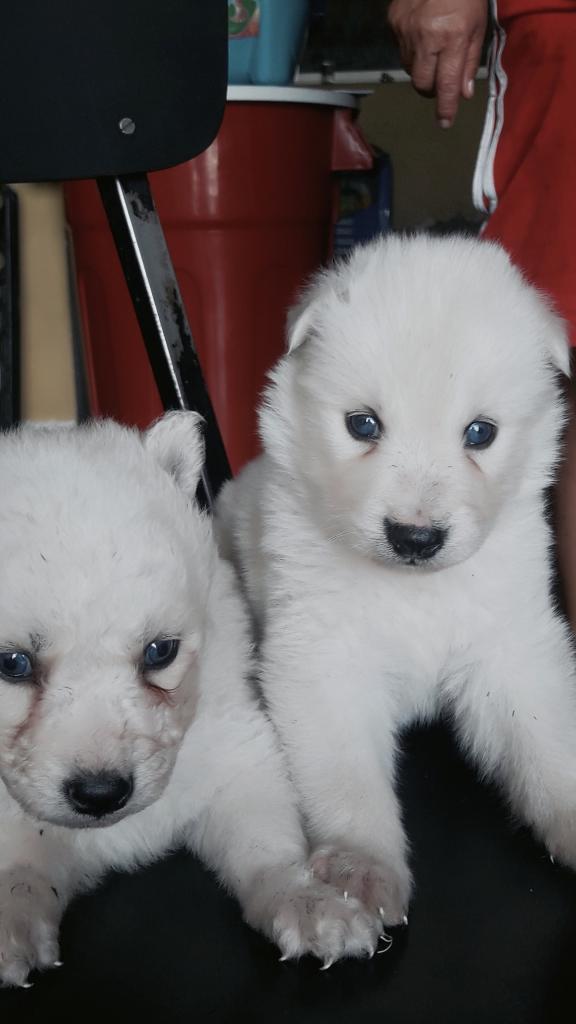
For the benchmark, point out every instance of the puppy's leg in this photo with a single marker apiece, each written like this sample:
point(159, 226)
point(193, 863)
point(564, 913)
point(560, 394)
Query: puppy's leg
point(250, 834)
point(37, 879)
point(517, 715)
point(43, 867)
point(341, 749)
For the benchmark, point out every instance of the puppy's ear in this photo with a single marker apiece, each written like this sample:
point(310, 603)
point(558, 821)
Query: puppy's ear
point(305, 319)
point(558, 344)
point(300, 324)
point(175, 441)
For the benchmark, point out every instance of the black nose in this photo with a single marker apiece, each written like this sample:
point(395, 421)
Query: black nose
point(414, 542)
point(98, 793)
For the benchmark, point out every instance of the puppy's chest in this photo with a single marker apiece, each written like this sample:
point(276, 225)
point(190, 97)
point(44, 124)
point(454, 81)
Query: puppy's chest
point(424, 630)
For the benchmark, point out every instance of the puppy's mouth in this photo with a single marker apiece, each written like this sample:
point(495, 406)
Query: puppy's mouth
point(79, 822)
point(58, 811)
point(65, 817)
point(422, 564)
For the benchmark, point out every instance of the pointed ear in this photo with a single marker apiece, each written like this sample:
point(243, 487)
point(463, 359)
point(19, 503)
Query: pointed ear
point(300, 324)
point(175, 441)
point(558, 344)
point(553, 331)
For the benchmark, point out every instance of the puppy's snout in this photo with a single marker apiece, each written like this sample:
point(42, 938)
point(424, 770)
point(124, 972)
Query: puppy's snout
point(98, 793)
point(414, 542)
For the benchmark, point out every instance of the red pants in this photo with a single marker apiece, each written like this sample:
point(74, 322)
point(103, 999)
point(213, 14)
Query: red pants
point(526, 171)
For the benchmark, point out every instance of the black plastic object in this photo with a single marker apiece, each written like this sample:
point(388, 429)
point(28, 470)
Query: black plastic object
point(9, 310)
point(108, 87)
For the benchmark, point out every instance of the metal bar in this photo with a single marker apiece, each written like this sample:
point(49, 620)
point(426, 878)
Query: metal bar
point(9, 309)
point(158, 304)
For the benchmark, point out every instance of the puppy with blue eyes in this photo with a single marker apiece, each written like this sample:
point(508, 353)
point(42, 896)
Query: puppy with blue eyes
point(394, 546)
point(128, 721)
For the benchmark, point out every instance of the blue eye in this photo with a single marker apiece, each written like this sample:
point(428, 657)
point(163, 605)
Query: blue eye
point(363, 426)
point(161, 653)
point(16, 666)
point(479, 434)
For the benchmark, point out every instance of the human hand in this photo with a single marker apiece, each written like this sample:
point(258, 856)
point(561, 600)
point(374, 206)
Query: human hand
point(440, 46)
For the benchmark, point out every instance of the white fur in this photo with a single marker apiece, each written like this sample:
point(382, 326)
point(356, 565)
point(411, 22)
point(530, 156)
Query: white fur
point(103, 549)
point(430, 335)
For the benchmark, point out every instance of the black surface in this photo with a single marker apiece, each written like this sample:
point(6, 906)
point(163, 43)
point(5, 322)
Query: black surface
point(70, 71)
point(491, 938)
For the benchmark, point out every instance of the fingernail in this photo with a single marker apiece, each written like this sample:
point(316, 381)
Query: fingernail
point(471, 87)
point(444, 122)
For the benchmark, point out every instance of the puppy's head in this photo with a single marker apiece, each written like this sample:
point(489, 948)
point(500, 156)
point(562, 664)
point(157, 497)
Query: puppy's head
point(106, 565)
point(418, 397)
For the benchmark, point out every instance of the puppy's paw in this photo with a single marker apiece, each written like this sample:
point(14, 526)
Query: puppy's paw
point(304, 916)
point(29, 919)
point(382, 888)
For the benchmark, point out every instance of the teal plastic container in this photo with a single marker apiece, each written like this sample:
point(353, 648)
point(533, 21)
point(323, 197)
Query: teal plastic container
point(264, 40)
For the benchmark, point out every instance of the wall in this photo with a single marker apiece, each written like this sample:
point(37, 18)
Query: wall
point(433, 167)
point(46, 337)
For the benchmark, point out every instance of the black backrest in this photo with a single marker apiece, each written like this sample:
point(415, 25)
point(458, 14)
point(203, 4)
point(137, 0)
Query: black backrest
point(108, 87)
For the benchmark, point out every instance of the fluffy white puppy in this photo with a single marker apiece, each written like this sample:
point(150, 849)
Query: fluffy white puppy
point(394, 545)
point(127, 720)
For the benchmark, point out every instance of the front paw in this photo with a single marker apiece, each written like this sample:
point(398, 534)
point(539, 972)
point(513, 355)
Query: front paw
point(29, 919)
point(382, 887)
point(304, 916)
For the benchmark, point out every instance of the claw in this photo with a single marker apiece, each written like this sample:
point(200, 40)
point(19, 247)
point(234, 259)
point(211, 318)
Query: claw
point(27, 984)
point(345, 895)
point(381, 911)
point(405, 920)
point(326, 965)
point(552, 861)
point(281, 959)
point(389, 942)
point(58, 963)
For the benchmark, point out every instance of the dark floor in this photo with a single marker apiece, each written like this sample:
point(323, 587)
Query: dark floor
point(491, 939)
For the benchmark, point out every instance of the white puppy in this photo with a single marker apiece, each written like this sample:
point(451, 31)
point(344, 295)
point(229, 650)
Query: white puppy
point(127, 720)
point(395, 548)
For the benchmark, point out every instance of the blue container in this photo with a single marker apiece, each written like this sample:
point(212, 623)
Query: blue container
point(264, 40)
point(365, 205)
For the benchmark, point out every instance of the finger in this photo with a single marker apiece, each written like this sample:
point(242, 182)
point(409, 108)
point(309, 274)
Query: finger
point(448, 84)
point(406, 53)
point(471, 65)
point(424, 71)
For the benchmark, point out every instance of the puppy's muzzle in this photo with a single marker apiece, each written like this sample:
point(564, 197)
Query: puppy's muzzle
point(414, 543)
point(98, 793)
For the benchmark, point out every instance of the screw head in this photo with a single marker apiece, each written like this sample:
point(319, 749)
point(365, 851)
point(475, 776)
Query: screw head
point(127, 126)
